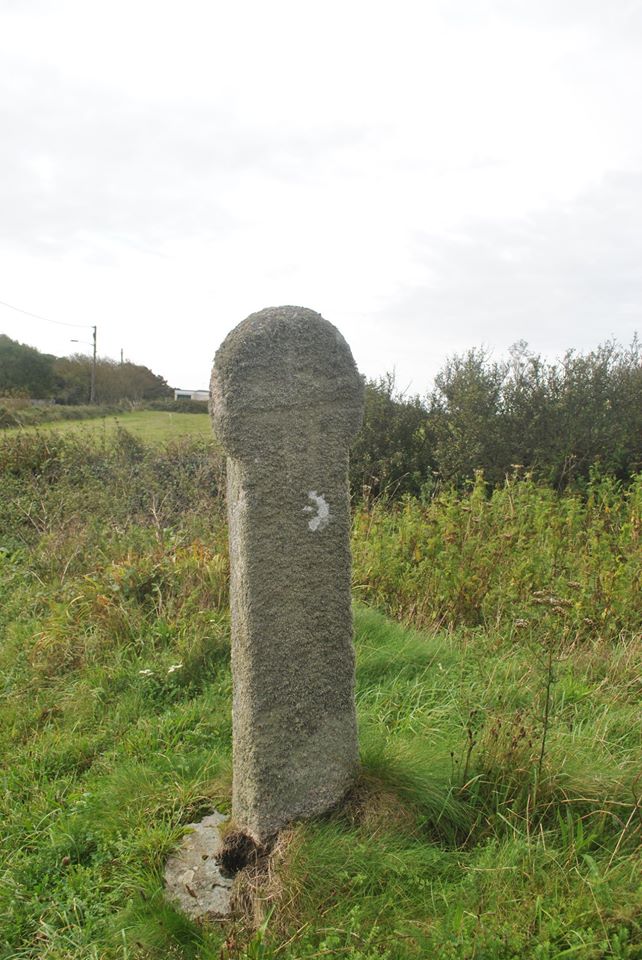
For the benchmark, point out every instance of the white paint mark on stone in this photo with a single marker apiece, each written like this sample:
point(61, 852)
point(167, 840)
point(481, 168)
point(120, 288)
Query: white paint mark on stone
point(322, 518)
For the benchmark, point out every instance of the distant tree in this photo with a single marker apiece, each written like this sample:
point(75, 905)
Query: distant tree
point(72, 378)
point(556, 419)
point(393, 452)
point(24, 370)
point(114, 381)
point(528, 431)
point(464, 412)
point(596, 405)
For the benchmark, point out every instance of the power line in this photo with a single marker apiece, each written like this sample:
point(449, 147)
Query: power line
point(62, 323)
point(59, 323)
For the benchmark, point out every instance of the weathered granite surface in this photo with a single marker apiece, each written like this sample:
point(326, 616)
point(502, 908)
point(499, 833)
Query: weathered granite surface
point(286, 402)
point(193, 878)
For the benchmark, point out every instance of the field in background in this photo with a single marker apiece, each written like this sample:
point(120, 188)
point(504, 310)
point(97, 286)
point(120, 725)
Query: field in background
point(499, 815)
point(153, 425)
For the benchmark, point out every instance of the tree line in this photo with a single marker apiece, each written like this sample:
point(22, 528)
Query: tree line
point(558, 420)
point(26, 372)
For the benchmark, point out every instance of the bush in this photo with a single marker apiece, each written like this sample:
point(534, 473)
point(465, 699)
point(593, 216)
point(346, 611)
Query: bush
point(178, 406)
point(556, 420)
point(392, 454)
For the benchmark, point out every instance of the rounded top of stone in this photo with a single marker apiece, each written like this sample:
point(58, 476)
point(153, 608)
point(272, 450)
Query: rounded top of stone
point(283, 358)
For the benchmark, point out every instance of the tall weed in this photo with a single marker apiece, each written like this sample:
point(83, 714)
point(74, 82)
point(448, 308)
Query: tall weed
point(513, 562)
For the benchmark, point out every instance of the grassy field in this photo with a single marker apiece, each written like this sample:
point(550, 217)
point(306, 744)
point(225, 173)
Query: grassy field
point(499, 667)
point(152, 425)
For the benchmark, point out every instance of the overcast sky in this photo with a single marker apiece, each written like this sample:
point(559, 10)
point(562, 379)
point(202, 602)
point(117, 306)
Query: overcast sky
point(429, 175)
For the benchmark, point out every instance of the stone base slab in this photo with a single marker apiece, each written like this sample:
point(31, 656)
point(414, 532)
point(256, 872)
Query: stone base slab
point(193, 878)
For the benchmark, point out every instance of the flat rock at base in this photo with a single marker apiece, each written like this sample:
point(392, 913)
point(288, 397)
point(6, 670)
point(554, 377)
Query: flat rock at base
point(193, 878)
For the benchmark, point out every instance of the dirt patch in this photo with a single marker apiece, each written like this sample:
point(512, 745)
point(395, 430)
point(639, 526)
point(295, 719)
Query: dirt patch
point(239, 851)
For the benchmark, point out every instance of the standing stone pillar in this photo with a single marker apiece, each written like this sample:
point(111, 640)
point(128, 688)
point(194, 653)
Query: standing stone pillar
point(286, 402)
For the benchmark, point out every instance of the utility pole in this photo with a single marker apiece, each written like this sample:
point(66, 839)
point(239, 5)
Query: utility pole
point(92, 391)
point(121, 357)
point(92, 385)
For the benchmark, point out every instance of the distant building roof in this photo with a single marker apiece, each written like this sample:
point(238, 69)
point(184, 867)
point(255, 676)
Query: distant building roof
point(180, 394)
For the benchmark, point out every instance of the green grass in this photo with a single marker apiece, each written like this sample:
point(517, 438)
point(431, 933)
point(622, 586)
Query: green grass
point(458, 841)
point(152, 425)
